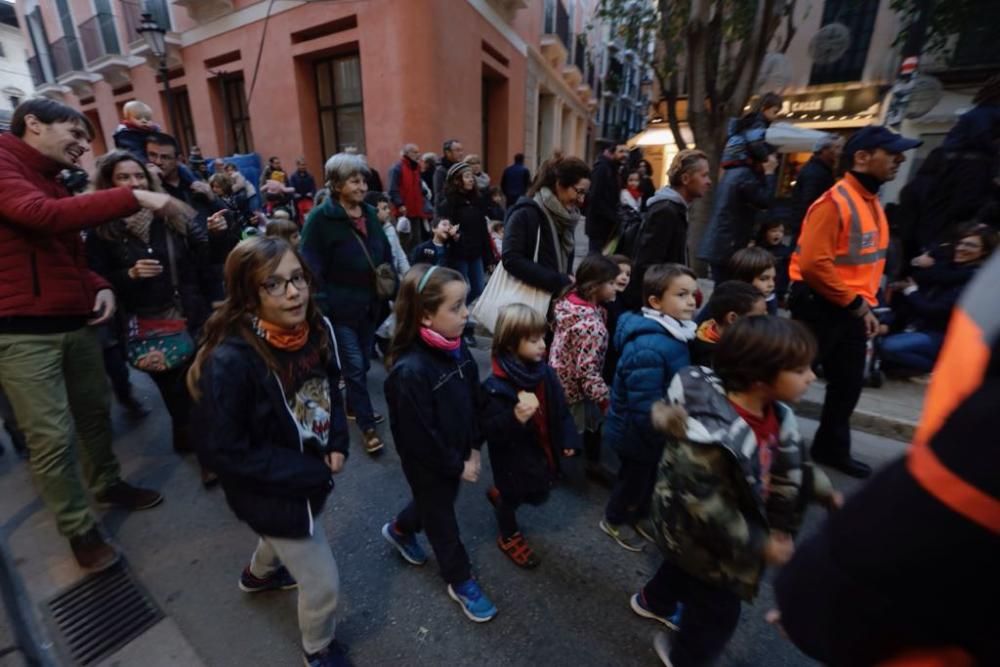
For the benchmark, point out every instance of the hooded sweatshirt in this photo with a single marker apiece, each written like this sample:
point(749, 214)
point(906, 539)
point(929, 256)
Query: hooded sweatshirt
point(662, 238)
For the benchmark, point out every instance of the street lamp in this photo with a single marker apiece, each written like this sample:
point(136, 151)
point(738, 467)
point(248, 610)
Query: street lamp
point(156, 40)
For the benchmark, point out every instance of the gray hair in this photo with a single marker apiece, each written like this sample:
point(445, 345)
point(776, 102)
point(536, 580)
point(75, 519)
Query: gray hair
point(432, 157)
point(342, 166)
point(407, 147)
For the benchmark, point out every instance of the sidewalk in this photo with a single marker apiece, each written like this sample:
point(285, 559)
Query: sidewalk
point(891, 411)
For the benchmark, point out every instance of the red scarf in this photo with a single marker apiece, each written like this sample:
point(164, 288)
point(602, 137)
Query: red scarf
point(410, 188)
point(539, 420)
point(439, 342)
point(281, 338)
point(636, 193)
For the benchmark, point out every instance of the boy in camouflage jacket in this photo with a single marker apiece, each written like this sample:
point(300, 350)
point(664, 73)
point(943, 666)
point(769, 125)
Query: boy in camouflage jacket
point(732, 484)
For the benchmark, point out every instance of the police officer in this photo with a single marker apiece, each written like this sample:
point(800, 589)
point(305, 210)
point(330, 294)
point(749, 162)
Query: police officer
point(836, 270)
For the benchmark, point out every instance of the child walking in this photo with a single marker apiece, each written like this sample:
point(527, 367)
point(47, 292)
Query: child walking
point(729, 302)
point(772, 239)
point(435, 402)
point(528, 426)
point(273, 430)
point(654, 346)
point(581, 342)
point(732, 485)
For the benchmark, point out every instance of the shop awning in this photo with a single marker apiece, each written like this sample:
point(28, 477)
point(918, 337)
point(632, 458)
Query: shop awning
point(660, 134)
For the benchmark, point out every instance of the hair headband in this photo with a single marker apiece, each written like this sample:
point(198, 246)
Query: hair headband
point(424, 278)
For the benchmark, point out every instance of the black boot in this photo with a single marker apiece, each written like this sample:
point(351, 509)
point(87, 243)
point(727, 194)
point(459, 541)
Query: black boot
point(592, 467)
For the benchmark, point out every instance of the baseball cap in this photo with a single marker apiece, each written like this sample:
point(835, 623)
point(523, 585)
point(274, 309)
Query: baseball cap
point(878, 136)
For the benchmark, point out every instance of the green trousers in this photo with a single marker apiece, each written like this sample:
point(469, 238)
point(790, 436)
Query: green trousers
point(50, 378)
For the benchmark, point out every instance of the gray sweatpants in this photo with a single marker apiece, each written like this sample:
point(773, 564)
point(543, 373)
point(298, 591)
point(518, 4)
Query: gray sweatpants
point(311, 562)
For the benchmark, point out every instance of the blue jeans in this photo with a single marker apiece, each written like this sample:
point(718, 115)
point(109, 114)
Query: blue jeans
point(917, 350)
point(475, 275)
point(354, 341)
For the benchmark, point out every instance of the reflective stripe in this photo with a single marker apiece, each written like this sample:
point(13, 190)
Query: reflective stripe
point(856, 237)
point(858, 260)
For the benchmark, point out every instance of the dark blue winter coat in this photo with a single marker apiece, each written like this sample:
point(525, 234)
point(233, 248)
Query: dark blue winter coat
point(248, 436)
point(742, 192)
point(649, 358)
point(435, 402)
point(520, 466)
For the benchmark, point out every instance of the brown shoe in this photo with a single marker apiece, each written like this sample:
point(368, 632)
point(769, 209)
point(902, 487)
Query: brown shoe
point(373, 444)
point(124, 495)
point(92, 552)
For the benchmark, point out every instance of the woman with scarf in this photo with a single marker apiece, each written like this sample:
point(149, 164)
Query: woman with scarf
point(154, 264)
point(539, 237)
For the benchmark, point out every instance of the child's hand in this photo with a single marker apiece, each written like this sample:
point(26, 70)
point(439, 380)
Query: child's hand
point(568, 453)
point(779, 548)
point(470, 473)
point(524, 412)
point(335, 461)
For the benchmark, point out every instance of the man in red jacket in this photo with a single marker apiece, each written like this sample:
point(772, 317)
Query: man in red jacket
point(50, 361)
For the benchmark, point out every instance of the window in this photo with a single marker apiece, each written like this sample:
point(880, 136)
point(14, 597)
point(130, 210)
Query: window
point(859, 17)
point(185, 121)
point(340, 104)
point(237, 115)
point(72, 46)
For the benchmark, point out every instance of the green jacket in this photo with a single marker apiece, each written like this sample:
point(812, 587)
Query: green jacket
point(346, 279)
point(709, 515)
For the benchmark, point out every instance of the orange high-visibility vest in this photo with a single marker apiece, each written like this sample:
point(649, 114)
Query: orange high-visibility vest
point(862, 241)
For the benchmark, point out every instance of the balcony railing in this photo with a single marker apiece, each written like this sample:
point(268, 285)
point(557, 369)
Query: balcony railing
point(557, 22)
point(98, 37)
point(35, 68)
point(66, 55)
point(133, 9)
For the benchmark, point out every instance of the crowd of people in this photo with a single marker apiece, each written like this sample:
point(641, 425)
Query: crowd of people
point(259, 327)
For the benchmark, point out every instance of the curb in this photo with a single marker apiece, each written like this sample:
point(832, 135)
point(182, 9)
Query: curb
point(868, 422)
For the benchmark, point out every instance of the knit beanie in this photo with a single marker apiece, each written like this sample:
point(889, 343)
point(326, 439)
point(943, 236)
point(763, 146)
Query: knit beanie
point(457, 168)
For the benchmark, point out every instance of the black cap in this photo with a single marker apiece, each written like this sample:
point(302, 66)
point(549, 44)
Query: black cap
point(878, 136)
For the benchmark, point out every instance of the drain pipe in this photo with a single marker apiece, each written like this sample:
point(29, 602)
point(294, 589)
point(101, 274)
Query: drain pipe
point(37, 650)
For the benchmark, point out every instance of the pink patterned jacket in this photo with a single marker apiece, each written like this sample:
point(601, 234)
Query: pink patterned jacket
point(581, 341)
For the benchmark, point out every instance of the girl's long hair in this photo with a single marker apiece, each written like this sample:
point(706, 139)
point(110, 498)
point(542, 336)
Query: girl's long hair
point(412, 304)
point(104, 180)
point(249, 264)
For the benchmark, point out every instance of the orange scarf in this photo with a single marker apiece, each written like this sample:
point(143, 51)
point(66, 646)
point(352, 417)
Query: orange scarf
point(281, 338)
point(709, 332)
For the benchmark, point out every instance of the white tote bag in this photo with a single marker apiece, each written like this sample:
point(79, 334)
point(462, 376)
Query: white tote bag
point(504, 289)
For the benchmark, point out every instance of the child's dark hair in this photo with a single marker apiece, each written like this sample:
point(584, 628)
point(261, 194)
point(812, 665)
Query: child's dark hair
point(620, 259)
point(516, 322)
point(595, 270)
point(436, 222)
point(732, 296)
point(658, 278)
point(986, 234)
point(281, 228)
point(755, 349)
point(767, 226)
point(420, 292)
point(748, 263)
point(496, 226)
point(375, 198)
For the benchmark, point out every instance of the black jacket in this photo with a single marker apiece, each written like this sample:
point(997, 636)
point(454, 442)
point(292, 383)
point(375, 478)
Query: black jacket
point(469, 212)
point(741, 194)
point(939, 287)
point(249, 437)
point(662, 238)
point(434, 404)
point(425, 253)
point(514, 182)
point(148, 297)
point(521, 467)
point(603, 198)
point(815, 178)
point(521, 234)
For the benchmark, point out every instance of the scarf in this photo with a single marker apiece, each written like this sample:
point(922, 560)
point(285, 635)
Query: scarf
point(138, 224)
point(709, 332)
point(279, 337)
point(682, 331)
point(453, 346)
point(636, 193)
point(562, 224)
point(524, 375)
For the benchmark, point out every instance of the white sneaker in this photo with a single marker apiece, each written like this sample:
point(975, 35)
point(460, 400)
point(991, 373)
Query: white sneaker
point(662, 646)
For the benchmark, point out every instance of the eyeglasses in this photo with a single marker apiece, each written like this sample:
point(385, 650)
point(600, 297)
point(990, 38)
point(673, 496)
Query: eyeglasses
point(971, 245)
point(580, 192)
point(275, 286)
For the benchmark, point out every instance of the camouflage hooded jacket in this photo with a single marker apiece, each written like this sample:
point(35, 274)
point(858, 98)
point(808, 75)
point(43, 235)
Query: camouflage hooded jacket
point(709, 514)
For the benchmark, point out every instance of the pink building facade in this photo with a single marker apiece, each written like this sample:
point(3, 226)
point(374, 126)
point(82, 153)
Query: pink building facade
point(311, 78)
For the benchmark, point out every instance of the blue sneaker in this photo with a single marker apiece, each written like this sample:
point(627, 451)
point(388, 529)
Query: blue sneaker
point(407, 545)
point(474, 603)
point(333, 655)
point(280, 580)
point(638, 603)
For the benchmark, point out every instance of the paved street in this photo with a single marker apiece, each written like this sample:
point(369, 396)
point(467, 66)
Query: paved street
point(572, 610)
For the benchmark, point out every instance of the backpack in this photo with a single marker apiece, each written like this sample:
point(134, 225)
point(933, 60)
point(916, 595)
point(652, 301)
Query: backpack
point(630, 223)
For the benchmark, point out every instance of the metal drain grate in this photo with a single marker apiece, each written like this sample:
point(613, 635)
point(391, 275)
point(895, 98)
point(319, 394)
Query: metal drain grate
point(102, 613)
